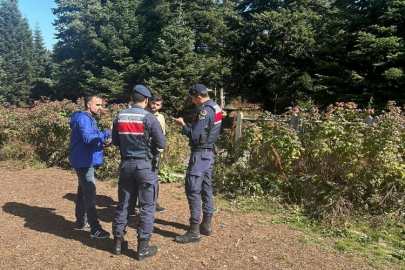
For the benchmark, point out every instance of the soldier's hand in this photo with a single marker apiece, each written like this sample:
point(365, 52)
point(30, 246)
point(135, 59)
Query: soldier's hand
point(178, 121)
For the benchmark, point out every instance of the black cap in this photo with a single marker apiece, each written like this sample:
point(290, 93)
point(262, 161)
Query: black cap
point(142, 90)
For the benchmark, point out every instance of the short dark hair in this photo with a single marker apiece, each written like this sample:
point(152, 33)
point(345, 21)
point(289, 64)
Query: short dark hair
point(137, 98)
point(204, 94)
point(88, 99)
point(157, 98)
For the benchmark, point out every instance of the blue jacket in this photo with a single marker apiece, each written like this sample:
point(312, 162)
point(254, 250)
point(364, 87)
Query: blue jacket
point(86, 141)
point(206, 126)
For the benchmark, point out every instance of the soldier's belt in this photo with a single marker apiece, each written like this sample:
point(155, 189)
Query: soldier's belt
point(134, 158)
point(202, 150)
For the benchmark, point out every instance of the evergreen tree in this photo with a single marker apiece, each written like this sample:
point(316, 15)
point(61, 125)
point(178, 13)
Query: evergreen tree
point(276, 52)
point(41, 54)
point(152, 16)
point(272, 48)
point(96, 40)
point(169, 65)
point(116, 42)
point(2, 76)
point(181, 43)
point(210, 20)
point(16, 49)
point(42, 68)
point(75, 52)
point(362, 52)
point(174, 66)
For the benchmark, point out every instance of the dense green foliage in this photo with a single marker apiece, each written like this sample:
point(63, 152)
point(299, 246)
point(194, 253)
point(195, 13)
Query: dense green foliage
point(43, 68)
point(334, 168)
point(25, 64)
point(278, 53)
point(16, 52)
point(333, 165)
point(41, 133)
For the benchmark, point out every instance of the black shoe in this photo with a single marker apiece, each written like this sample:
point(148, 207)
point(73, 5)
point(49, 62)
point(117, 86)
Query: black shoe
point(160, 209)
point(205, 229)
point(144, 250)
point(188, 237)
point(100, 233)
point(86, 225)
point(205, 226)
point(146, 253)
point(133, 214)
point(119, 245)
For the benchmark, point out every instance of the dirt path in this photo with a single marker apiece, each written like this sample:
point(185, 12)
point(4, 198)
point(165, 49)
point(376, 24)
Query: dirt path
point(37, 221)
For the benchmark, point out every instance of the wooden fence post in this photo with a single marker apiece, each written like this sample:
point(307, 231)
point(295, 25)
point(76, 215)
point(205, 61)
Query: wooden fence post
point(221, 98)
point(239, 123)
point(238, 131)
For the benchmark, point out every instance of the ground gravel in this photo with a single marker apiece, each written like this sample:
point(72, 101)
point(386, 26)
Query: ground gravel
point(37, 232)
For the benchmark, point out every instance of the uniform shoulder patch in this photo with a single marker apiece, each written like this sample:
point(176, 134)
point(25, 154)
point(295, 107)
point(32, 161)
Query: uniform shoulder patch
point(202, 114)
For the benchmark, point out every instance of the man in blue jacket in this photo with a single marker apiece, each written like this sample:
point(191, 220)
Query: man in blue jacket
point(138, 135)
point(86, 152)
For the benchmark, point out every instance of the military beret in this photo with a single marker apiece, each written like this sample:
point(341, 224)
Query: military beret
point(142, 90)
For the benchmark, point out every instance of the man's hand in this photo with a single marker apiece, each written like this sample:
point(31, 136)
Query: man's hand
point(107, 143)
point(178, 121)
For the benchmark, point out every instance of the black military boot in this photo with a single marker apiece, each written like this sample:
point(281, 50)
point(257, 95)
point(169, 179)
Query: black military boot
point(145, 251)
point(119, 245)
point(192, 236)
point(205, 226)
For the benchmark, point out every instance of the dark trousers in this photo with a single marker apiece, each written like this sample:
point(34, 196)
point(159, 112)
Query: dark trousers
point(134, 200)
point(198, 185)
point(136, 178)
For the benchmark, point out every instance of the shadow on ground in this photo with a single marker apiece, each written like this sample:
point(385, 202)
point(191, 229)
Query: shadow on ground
point(45, 220)
point(106, 214)
point(106, 203)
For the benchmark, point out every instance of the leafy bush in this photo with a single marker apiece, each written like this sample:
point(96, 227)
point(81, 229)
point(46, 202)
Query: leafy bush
point(41, 133)
point(267, 152)
point(14, 127)
point(334, 168)
point(176, 154)
point(49, 130)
